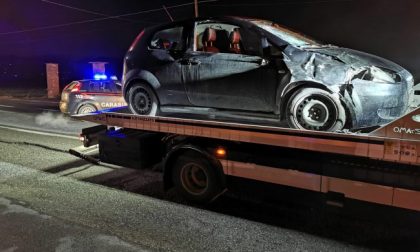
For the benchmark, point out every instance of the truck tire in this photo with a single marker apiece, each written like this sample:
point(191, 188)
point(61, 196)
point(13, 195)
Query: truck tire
point(196, 179)
point(142, 100)
point(315, 109)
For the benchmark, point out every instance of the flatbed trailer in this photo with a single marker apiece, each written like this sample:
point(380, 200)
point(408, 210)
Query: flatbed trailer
point(201, 157)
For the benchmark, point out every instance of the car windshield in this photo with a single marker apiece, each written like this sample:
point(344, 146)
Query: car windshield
point(291, 37)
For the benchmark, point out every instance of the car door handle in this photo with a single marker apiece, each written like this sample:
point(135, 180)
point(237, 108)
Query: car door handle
point(194, 62)
point(189, 62)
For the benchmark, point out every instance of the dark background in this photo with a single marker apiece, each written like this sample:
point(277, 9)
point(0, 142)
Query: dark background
point(33, 32)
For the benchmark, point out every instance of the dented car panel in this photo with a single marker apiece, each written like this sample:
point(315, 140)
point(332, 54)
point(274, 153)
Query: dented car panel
point(261, 73)
point(372, 101)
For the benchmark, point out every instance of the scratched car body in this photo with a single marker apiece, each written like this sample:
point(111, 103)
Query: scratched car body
point(241, 68)
point(87, 96)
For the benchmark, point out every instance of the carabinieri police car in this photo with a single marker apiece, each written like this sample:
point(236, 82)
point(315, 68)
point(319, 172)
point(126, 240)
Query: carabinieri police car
point(87, 96)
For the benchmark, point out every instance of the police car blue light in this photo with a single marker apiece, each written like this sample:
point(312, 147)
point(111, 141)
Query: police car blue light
point(100, 77)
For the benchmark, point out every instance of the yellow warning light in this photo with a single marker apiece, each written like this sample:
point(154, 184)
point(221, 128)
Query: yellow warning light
point(220, 152)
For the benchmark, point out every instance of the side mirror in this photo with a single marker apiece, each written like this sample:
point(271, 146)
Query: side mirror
point(270, 50)
point(264, 42)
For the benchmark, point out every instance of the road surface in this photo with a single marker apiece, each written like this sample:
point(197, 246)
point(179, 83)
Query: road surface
point(50, 200)
point(39, 115)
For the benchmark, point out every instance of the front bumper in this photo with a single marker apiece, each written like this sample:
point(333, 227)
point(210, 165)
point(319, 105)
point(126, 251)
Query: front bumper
point(379, 103)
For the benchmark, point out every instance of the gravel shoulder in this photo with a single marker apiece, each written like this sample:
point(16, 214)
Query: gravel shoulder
point(24, 229)
point(145, 221)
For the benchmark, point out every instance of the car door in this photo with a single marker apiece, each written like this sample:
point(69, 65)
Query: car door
point(225, 79)
point(166, 48)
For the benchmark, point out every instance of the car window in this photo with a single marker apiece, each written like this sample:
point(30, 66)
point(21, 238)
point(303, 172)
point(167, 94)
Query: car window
point(100, 87)
point(168, 39)
point(116, 86)
point(217, 37)
point(285, 34)
point(71, 85)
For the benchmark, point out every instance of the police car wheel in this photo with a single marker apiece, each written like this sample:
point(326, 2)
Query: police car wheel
point(142, 100)
point(86, 109)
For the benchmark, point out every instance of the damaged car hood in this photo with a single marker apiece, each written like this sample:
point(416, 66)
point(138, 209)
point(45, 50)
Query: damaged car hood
point(356, 58)
point(333, 65)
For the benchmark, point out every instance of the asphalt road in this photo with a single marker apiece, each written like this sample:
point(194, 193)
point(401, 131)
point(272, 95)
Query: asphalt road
point(37, 114)
point(52, 201)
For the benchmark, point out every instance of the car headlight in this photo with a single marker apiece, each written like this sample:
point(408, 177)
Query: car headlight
point(379, 75)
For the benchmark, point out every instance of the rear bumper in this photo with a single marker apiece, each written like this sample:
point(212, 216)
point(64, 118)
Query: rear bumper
point(64, 108)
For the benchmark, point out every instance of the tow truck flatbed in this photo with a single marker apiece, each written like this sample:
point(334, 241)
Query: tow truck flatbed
point(381, 166)
point(397, 141)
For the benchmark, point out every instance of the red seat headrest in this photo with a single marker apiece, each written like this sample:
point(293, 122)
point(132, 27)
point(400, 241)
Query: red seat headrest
point(209, 35)
point(235, 37)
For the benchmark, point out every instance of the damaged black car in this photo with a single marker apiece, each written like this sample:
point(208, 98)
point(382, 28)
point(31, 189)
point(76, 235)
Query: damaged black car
point(251, 69)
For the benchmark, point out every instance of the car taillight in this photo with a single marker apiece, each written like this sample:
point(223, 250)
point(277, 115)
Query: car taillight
point(76, 88)
point(136, 41)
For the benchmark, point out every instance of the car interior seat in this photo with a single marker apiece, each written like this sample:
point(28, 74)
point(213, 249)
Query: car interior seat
point(209, 39)
point(222, 43)
point(161, 44)
point(235, 40)
point(199, 42)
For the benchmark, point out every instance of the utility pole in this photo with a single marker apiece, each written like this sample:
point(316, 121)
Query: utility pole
point(196, 7)
point(167, 13)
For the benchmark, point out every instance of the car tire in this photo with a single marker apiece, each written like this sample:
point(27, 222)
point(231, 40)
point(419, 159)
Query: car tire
point(86, 109)
point(315, 109)
point(142, 100)
point(196, 179)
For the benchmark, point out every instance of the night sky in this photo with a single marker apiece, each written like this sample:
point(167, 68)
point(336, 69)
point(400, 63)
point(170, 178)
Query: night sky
point(33, 32)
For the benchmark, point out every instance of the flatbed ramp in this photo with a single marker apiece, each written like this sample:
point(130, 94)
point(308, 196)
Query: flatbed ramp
point(398, 141)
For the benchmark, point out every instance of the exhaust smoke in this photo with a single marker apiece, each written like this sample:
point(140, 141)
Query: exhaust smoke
point(52, 120)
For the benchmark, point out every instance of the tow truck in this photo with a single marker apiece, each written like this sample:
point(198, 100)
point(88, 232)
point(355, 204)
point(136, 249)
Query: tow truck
point(201, 158)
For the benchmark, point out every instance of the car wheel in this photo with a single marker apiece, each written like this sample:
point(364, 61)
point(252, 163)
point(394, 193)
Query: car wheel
point(315, 109)
point(196, 179)
point(142, 100)
point(86, 109)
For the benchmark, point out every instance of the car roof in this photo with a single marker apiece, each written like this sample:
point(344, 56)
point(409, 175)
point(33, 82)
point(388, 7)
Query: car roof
point(220, 18)
point(86, 80)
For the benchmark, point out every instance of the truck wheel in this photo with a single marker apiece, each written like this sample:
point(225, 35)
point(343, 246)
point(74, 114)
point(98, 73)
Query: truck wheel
point(196, 179)
point(86, 109)
point(142, 100)
point(315, 109)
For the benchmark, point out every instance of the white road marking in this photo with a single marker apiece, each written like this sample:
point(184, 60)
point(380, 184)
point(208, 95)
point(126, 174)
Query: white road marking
point(6, 106)
point(39, 132)
point(40, 101)
point(36, 101)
